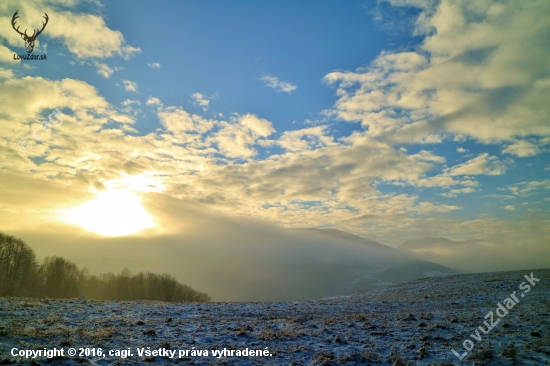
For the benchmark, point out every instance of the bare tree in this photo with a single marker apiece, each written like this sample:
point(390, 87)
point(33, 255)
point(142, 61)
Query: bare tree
point(17, 267)
point(60, 277)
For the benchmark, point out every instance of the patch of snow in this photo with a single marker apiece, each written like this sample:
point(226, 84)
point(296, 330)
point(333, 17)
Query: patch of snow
point(418, 322)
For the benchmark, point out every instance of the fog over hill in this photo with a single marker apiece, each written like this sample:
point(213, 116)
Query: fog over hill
point(240, 259)
point(477, 255)
point(339, 234)
point(243, 259)
point(286, 265)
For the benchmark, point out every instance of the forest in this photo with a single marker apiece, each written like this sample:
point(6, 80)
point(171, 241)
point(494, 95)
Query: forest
point(21, 274)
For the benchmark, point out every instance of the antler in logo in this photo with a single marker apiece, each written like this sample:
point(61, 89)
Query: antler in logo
point(29, 40)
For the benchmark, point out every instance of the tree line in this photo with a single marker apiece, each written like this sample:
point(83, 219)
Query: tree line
point(22, 275)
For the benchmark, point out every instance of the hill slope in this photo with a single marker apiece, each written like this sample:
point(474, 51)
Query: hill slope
point(244, 263)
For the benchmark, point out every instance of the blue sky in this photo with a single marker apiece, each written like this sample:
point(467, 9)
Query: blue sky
point(222, 50)
point(389, 119)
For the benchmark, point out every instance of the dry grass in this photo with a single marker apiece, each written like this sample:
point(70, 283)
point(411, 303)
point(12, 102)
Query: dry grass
point(482, 356)
point(359, 329)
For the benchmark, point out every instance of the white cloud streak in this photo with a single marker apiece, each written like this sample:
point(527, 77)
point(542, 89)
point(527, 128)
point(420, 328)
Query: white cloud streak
point(522, 149)
point(278, 85)
point(201, 100)
point(483, 164)
point(130, 85)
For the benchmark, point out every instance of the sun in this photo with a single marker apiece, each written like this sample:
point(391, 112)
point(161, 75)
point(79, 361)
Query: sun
point(111, 213)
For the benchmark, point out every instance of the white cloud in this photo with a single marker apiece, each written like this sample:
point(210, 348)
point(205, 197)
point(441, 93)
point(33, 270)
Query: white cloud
point(130, 85)
point(85, 114)
point(275, 83)
point(510, 208)
point(481, 72)
point(154, 65)
point(304, 139)
point(180, 122)
point(442, 181)
point(483, 164)
point(104, 69)
point(461, 150)
point(522, 149)
point(85, 35)
point(129, 102)
point(130, 107)
point(428, 156)
point(6, 55)
point(528, 188)
point(455, 192)
point(235, 139)
point(6, 73)
point(154, 101)
point(201, 100)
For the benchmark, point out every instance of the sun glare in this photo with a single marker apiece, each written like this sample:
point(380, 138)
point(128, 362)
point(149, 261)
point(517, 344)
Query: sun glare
point(111, 213)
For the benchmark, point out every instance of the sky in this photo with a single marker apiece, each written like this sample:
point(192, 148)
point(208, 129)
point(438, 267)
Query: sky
point(389, 119)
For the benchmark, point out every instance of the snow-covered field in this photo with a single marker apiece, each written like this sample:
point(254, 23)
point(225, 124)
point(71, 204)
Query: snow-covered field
point(416, 323)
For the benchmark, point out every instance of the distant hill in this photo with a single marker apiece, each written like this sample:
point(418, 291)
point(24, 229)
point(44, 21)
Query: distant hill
point(388, 265)
point(426, 242)
point(245, 260)
point(415, 268)
point(353, 238)
point(468, 255)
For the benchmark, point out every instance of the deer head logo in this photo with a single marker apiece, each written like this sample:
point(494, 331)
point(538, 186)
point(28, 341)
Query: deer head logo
point(29, 40)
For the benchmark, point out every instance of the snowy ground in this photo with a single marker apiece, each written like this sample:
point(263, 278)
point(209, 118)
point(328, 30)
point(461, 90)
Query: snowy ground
point(416, 323)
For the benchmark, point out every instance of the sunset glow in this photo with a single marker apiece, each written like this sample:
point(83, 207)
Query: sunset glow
point(111, 213)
